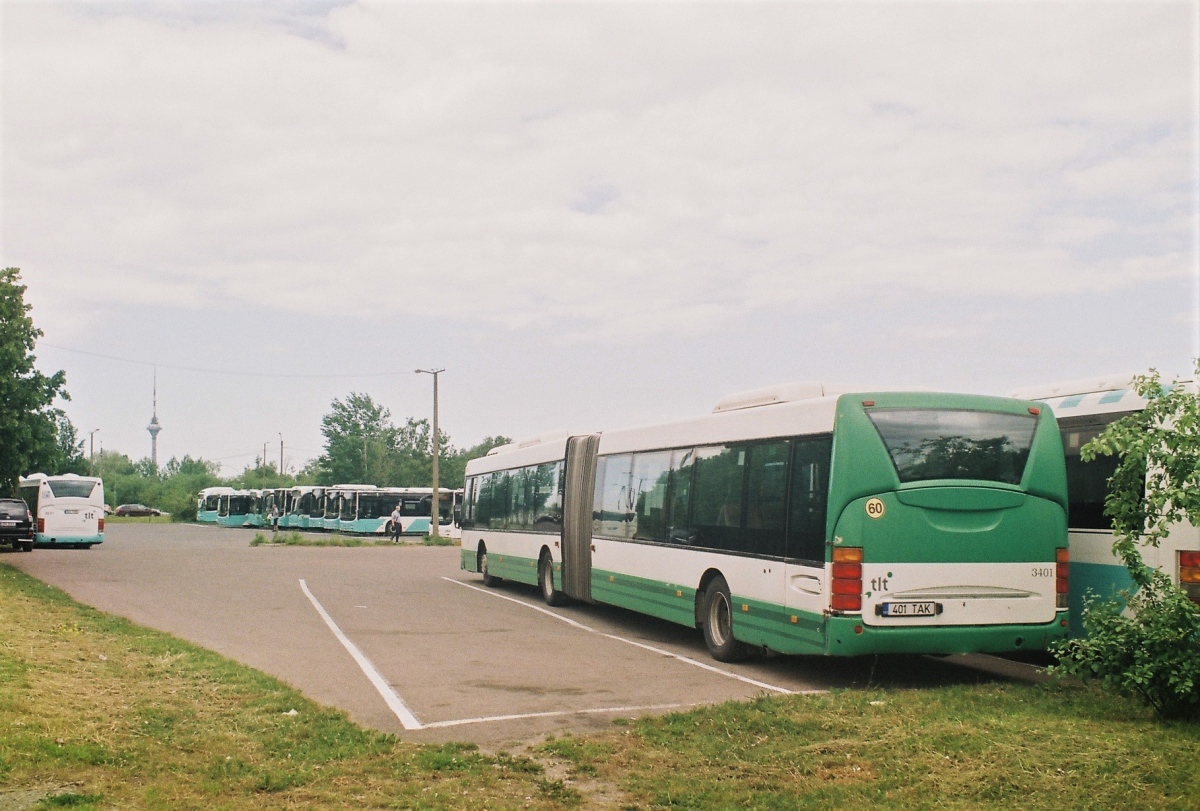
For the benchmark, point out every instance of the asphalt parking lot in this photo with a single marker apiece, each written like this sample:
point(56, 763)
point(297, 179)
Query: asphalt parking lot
point(406, 643)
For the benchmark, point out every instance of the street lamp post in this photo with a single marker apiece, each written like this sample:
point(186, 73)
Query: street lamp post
point(92, 451)
point(435, 517)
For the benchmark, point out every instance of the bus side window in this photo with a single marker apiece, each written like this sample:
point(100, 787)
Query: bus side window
point(545, 508)
point(614, 506)
point(649, 492)
point(809, 497)
point(679, 529)
point(1087, 482)
point(717, 493)
point(766, 495)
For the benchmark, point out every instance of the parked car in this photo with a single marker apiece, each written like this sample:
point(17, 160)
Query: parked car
point(16, 524)
point(136, 509)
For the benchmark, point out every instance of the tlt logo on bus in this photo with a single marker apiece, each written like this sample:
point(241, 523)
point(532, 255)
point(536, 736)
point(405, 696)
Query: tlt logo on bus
point(875, 507)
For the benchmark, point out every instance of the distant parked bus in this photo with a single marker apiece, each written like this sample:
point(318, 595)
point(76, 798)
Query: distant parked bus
point(800, 519)
point(208, 502)
point(1084, 408)
point(372, 512)
point(68, 509)
point(238, 508)
point(305, 503)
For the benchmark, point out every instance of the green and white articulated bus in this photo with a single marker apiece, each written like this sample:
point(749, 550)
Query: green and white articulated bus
point(1084, 408)
point(68, 510)
point(208, 503)
point(803, 519)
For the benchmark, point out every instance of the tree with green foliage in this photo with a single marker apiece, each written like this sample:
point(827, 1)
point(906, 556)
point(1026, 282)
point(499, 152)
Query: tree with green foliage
point(359, 437)
point(1147, 642)
point(28, 419)
point(69, 447)
point(364, 446)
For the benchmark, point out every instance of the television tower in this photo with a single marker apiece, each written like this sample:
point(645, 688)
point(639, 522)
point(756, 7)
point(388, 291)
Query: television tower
point(154, 427)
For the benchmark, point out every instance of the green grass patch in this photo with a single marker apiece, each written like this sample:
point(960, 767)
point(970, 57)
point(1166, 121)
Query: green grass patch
point(133, 718)
point(294, 538)
point(137, 519)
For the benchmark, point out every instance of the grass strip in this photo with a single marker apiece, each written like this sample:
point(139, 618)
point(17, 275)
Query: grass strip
point(998, 745)
point(101, 713)
point(294, 538)
point(111, 715)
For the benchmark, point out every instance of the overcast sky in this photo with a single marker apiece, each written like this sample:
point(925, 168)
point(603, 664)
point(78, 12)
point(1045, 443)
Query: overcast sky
point(590, 214)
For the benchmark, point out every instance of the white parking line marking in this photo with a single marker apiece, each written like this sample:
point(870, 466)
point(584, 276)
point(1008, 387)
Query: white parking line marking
point(552, 714)
point(644, 646)
point(407, 719)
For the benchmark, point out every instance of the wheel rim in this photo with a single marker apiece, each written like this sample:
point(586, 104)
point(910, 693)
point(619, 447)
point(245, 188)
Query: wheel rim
point(719, 627)
point(483, 564)
point(547, 580)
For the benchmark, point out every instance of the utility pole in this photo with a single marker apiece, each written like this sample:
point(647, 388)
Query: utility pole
point(435, 518)
point(264, 466)
point(92, 452)
point(281, 453)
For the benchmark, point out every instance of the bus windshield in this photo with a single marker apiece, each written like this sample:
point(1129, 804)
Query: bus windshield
point(71, 489)
point(927, 444)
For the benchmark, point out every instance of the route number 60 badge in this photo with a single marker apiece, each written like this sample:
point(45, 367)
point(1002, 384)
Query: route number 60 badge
point(875, 508)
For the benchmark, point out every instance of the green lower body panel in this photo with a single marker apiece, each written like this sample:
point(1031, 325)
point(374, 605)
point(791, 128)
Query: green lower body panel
point(513, 567)
point(468, 560)
point(847, 636)
point(777, 627)
point(671, 602)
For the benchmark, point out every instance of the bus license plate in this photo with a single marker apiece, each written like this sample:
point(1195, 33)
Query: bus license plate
point(8, 523)
point(910, 609)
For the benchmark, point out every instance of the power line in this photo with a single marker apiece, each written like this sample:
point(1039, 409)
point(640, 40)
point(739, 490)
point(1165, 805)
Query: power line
point(228, 372)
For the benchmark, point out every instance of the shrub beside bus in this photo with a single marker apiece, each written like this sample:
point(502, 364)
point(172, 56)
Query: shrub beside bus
point(1084, 408)
point(800, 519)
point(68, 509)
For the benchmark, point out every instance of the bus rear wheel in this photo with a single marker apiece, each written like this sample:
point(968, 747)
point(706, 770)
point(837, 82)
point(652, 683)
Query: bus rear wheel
point(718, 623)
point(551, 595)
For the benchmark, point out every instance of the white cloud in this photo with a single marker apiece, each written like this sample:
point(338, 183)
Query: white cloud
point(621, 169)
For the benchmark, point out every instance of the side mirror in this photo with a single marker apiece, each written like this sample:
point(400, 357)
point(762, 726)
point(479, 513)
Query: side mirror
point(458, 515)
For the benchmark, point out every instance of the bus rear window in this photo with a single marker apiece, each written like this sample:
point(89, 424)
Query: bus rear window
point(65, 489)
point(927, 444)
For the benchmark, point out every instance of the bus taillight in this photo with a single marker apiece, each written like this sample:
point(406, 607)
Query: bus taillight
point(846, 585)
point(101, 527)
point(1189, 574)
point(42, 525)
point(1062, 585)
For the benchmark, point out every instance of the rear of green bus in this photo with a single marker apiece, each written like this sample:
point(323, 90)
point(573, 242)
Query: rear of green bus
point(948, 520)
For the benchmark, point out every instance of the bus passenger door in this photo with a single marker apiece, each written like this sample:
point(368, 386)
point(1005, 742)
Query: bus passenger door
point(578, 493)
point(805, 569)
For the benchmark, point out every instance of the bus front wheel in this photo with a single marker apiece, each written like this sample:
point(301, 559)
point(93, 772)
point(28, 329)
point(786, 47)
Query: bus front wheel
point(488, 580)
point(551, 595)
point(718, 623)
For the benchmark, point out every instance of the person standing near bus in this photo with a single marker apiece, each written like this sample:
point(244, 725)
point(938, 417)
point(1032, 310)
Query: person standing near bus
point(396, 524)
point(274, 518)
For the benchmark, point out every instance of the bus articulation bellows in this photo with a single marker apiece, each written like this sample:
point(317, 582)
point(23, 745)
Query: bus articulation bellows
point(800, 519)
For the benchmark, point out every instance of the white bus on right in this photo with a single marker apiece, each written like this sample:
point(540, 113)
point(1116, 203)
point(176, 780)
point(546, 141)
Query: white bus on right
point(1084, 408)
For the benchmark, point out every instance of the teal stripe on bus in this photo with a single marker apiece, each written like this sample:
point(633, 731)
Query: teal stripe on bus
point(1113, 397)
point(1071, 402)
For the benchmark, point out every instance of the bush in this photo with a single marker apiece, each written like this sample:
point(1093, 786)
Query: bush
point(1151, 652)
